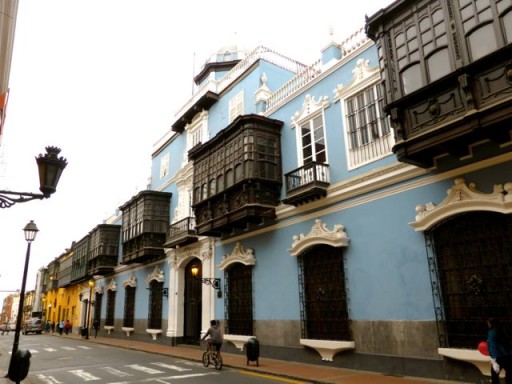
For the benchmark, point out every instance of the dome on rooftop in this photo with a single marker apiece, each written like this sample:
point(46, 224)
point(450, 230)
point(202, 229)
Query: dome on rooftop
point(227, 53)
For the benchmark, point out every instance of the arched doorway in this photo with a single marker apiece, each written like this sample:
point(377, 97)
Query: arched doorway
point(192, 304)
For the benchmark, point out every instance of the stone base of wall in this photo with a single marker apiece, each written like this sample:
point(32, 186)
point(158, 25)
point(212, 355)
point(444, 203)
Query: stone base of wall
point(402, 348)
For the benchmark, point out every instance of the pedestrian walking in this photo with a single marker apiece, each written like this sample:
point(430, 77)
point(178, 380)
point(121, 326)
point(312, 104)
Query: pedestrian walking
point(61, 327)
point(67, 327)
point(500, 350)
point(96, 326)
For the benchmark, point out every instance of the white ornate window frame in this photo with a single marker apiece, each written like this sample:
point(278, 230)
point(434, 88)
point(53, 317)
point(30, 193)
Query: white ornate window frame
point(463, 198)
point(311, 109)
point(131, 281)
point(164, 165)
point(236, 106)
point(364, 77)
point(197, 132)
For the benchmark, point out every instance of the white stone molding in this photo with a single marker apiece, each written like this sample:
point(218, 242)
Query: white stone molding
point(363, 75)
point(263, 92)
point(98, 289)
point(112, 286)
point(309, 108)
point(109, 328)
point(238, 255)
point(131, 281)
point(319, 234)
point(328, 348)
point(157, 275)
point(177, 260)
point(463, 198)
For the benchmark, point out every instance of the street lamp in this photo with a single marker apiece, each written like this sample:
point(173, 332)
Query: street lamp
point(91, 286)
point(50, 168)
point(30, 235)
point(213, 282)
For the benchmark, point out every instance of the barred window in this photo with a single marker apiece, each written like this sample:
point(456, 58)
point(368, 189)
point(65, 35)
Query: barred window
point(368, 130)
point(129, 307)
point(155, 305)
point(111, 306)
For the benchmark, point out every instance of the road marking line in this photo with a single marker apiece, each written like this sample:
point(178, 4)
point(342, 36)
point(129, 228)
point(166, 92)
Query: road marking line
point(116, 372)
point(277, 378)
point(50, 349)
point(84, 347)
point(69, 348)
point(85, 375)
point(138, 367)
point(48, 379)
point(173, 367)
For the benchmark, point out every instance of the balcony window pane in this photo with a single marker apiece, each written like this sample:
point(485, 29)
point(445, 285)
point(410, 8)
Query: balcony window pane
point(507, 23)
point(438, 64)
point(482, 41)
point(411, 79)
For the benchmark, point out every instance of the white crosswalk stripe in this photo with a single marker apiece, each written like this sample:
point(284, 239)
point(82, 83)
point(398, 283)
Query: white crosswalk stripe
point(69, 348)
point(86, 376)
point(48, 379)
point(141, 368)
point(173, 367)
point(84, 347)
point(116, 372)
point(33, 351)
point(50, 349)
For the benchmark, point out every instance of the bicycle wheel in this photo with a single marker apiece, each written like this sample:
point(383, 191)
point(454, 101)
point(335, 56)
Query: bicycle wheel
point(218, 361)
point(206, 359)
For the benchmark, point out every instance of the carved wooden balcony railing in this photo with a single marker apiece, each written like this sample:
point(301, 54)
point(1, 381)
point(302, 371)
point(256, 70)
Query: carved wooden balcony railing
point(181, 233)
point(307, 183)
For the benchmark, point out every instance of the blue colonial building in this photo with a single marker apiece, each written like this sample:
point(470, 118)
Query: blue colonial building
point(353, 212)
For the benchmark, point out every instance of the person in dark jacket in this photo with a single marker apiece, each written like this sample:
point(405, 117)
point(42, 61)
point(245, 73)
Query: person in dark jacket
point(500, 351)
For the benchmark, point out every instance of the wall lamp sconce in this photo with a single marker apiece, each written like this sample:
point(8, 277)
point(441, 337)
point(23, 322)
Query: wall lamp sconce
point(212, 281)
point(50, 168)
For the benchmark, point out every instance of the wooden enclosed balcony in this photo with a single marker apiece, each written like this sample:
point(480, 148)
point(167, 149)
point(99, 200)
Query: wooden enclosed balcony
point(307, 183)
point(145, 223)
point(104, 249)
point(181, 233)
point(237, 177)
point(447, 76)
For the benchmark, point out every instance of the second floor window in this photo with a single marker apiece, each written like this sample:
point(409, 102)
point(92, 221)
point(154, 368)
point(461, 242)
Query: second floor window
point(313, 140)
point(368, 131)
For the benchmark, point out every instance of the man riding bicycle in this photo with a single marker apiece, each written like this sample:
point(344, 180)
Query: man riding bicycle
point(215, 336)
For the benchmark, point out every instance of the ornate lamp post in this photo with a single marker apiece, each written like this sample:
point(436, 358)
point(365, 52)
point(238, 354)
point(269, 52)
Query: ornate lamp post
point(30, 235)
point(91, 286)
point(50, 168)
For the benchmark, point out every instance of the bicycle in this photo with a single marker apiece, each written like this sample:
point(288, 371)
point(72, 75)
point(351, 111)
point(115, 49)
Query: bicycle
point(214, 356)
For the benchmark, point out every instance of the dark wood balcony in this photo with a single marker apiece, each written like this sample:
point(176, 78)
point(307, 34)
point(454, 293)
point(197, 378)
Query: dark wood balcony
point(237, 177)
point(181, 233)
point(104, 249)
point(307, 183)
point(452, 104)
point(144, 229)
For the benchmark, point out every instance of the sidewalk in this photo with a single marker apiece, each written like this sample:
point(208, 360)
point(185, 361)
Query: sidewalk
point(288, 370)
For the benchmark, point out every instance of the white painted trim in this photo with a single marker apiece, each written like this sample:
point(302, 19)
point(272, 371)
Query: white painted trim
point(109, 328)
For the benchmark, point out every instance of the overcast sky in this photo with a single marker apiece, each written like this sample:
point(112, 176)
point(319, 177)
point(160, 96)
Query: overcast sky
point(102, 80)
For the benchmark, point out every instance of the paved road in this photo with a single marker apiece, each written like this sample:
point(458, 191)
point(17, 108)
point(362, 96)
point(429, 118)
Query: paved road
point(61, 360)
